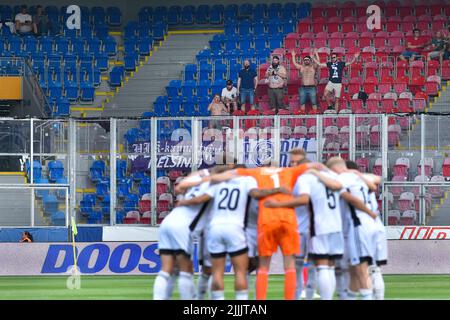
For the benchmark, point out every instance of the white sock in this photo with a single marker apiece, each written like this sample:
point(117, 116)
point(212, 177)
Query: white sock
point(209, 287)
point(202, 286)
point(332, 275)
point(241, 295)
point(351, 295)
point(299, 263)
point(251, 285)
point(217, 295)
point(377, 283)
point(171, 283)
point(324, 283)
point(366, 294)
point(311, 283)
point(341, 288)
point(186, 286)
point(160, 286)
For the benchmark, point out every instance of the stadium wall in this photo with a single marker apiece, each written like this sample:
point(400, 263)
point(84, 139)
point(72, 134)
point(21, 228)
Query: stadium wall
point(141, 258)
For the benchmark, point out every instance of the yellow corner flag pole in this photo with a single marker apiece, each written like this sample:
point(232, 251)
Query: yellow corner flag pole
point(74, 233)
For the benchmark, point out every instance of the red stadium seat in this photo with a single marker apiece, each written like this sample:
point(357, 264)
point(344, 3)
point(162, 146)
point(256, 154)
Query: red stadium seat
point(393, 217)
point(365, 40)
point(363, 164)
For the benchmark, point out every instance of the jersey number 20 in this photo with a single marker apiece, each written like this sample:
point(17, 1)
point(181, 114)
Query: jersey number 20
point(233, 199)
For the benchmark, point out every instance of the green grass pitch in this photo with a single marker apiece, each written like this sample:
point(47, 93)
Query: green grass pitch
point(140, 287)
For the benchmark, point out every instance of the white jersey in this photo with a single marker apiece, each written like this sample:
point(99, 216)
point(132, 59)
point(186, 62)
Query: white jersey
point(302, 212)
point(230, 201)
point(325, 206)
point(353, 184)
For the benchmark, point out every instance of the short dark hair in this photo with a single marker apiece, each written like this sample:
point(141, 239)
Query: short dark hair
point(229, 82)
point(276, 57)
point(351, 165)
point(24, 6)
point(415, 29)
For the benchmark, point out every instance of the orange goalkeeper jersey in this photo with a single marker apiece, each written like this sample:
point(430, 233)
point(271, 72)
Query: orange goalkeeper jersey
point(269, 178)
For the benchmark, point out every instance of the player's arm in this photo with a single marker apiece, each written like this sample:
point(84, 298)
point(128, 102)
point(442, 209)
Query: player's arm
point(192, 180)
point(357, 204)
point(224, 176)
point(327, 181)
point(301, 200)
point(262, 193)
point(194, 201)
point(370, 180)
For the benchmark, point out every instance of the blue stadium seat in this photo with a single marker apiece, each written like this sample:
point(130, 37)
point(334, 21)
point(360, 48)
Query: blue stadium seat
point(98, 14)
point(216, 14)
point(116, 76)
point(102, 61)
point(87, 91)
point(216, 42)
point(276, 41)
point(86, 31)
point(174, 107)
point(132, 135)
point(260, 12)
point(60, 193)
point(260, 43)
point(54, 89)
point(245, 27)
point(160, 106)
point(274, 10)
point(55, 170)
point(204, 55)
point(231, 12)
point(145, 45)
point(130, 61)
point(62, 45)
point(123, 187)
point(173, 88)
point(131, 29)
point(58, 218)
point(30, 44)
point(259, 28)
point(145, 15)
point(145, 183)
point(235, 68)
point(6, 13)
point(97, 170)
point(245, 43)
point(94, 45)
point(204, 88)
point(70, 61)
point(102, 188)
point(121, 169)
point(289, 11)
point(203, 103)
point(220, 71)
point(145, 30)
point(62, 107)
point(138, 176)
point(187, 15)
point(130, 45)
point(106, 204)
point(245, 10)
point(87, 204)
point(187, 89)
point(40, 193)
point(218, 86)
point(78, 46)
point(160, 14)
point(173, 16)
point(114, 16)
point(189, 104)
point(101, 31)
point(159, 31)
point(205, 72)
point(94, 217)
point(303, 10)
point(131, 202)
point(289, 26)
point(202, 14)
point(15, 44)
point(110, 45)
point(86, 61)
point(273, 26)
point(231, 27)
point(190, 72)
point(50, 204)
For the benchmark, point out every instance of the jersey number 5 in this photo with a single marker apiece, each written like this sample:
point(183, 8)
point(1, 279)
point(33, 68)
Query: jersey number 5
point(330, 196)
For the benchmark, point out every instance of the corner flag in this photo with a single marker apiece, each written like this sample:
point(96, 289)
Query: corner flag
point(74, 227)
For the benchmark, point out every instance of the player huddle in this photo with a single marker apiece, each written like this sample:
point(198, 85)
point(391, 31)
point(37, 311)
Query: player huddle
point(326, 215)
